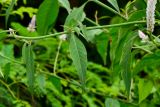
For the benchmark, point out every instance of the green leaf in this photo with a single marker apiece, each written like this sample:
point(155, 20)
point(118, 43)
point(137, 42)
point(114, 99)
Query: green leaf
point(125, 62)
point(47, 15)
point(74, 18)
point(144, 89)
point(102, 45)
point(114, 4)
point(1, 73)
point(79, 57)
point(27, 55)
point(65, 4)
point(8, 11)
point(56, 82)
point(147, 61)
point(20, 11)
point(109, 102)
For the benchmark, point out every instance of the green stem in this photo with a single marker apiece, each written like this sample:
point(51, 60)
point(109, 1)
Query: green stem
point(12, 60)
point(56, 59)
point(63, 79)
point(108, 8)
point(116, 25)
point(91, 21)
point(39, 37)
point(11, 92)
point(88, 28)
point(142, 48)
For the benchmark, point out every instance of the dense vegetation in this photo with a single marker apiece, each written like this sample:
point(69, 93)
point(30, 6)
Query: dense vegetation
point(79, 53)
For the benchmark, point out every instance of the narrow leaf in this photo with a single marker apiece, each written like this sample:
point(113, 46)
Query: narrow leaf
point(46, 16)
point(114, 4)
point(77, 15)
point(8, 11)
point(79, 57)
point(65, 4)
point(27, 55)
point(144, 89)
point(126, 63)
point(102, 45)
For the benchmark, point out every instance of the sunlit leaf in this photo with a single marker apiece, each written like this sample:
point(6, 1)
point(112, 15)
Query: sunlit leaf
point(79, 57)
point(47, 15)
point(109, 102)
point(144, 89)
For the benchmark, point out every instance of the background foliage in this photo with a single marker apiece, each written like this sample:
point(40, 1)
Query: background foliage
point(95, 66)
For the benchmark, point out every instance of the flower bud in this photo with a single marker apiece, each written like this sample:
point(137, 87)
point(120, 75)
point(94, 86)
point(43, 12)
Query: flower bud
point(150, 12)
point(32, 25)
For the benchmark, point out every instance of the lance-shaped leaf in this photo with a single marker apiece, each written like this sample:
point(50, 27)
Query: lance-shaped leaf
point(27, 55)
point(77, 15)
point(79, 56)
point(114, 4)
point(126, 63)
point(47, 15)
point(8, 11)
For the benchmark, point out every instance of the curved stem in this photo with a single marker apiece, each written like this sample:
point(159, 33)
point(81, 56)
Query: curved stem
point(56, 59)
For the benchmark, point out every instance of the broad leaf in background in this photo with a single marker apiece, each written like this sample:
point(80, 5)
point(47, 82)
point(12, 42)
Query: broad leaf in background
point(47, 15)
point(144, 89)
point(27, 55)
point(8, 11)
point(77, 15)
point(65, 4)
point(109, 102)
point(79, 56)
point(102, 45)
point(147, 61)
point(114, 4)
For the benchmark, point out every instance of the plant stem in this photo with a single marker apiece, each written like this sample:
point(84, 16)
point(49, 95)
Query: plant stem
point(116, 25)
point(88, 28)
point(39, 37)
point(51, 74)
point(56, 59)
point(11, 92)
point(108, 8)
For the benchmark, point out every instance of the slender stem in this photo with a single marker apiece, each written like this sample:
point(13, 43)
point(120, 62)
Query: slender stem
point(88, 28)
point(56, 59)
point(116, 25)
point(12, 60)
point(40, 37)
point(11, 92)
point(91, 21)
point(51, 74)
point(108, 8)
point(139, 47)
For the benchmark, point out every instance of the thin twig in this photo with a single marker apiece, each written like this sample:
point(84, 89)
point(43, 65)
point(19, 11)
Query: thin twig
point(56, 59)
